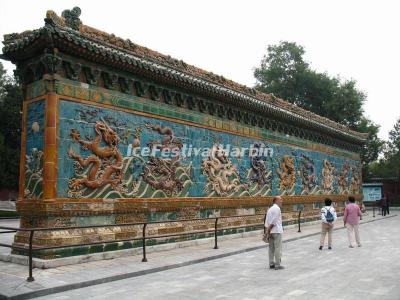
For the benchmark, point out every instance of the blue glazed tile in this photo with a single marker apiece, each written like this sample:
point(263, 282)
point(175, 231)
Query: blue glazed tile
point(83, 118)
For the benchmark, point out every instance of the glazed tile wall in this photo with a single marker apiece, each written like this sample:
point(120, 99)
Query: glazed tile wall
point(119, 100)
point(87, 169)
point(34, 150)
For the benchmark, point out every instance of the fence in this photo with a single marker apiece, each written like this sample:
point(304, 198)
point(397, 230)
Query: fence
point(30, 249)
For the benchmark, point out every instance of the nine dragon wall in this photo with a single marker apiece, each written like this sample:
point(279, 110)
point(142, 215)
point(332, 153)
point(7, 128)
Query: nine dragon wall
point(95, 160)
point(96, 135)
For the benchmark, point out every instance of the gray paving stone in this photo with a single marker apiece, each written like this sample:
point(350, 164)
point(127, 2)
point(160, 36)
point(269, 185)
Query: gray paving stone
point(351, 273)
point(240, 276)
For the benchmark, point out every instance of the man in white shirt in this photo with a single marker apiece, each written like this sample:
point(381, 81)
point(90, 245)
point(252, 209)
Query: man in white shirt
point(274, 230)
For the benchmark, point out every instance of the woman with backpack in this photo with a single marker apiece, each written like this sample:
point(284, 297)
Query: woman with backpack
point(328, 216)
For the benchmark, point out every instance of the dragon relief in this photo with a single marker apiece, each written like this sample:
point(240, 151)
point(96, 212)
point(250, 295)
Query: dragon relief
point(287, 174)
point(169, 142)
point(343, 181)
point(259, 176)
point(223, 177)
point(328, 176)
point(161, 174)
point(308, 176)
point(356, 182)
point(104, 165)
point(165, 174)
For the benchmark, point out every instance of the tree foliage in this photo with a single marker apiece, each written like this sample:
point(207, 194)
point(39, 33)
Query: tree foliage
point(393, 145)
point(284, 72)
point(389, 165)
point(10, 130)
point(374, 144)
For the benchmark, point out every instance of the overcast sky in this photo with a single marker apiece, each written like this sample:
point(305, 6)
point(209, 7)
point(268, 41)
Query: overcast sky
point(353, 39)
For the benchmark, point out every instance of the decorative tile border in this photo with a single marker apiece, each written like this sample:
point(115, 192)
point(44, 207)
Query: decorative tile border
point(84, 92)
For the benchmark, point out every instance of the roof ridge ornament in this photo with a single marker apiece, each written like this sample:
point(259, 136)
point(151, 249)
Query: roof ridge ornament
point(72, 18)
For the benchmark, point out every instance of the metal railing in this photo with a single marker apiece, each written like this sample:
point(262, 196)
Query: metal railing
point(10, 217)
point(298, 221)
point(218, 227)
point(30, 248)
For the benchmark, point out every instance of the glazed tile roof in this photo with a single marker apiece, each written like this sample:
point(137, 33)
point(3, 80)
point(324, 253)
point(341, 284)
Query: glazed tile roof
point(126, 52)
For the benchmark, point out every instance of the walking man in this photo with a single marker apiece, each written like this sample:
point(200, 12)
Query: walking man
point(351, 218)
point(274, 230)
point(384, 205)
point(328, 216)
point(387, 204)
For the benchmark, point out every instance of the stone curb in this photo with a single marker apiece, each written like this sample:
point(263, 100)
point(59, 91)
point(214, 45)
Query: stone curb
point(67, 287)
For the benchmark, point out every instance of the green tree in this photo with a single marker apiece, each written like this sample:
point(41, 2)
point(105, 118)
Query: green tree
point(379, 169)
point(10, 130)
point(393, 145)
point(373, 147)
point(284, 72)
point(387, 166)
point(392, 151)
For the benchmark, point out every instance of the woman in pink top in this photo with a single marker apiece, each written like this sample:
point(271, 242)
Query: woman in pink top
point(351, 218)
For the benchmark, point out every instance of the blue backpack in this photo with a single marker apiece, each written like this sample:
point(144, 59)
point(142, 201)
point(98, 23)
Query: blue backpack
point(329, 216)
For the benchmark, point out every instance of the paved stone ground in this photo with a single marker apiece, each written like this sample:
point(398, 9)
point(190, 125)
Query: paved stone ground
point(369, 272)
point(7, 238)
point(7, 205)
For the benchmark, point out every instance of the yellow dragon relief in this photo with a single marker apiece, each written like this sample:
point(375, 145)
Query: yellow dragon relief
point(286, 173)
point(106, 162)
point(356, 181)
point(342, 180)
point(222, 174)
point(328, 176)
